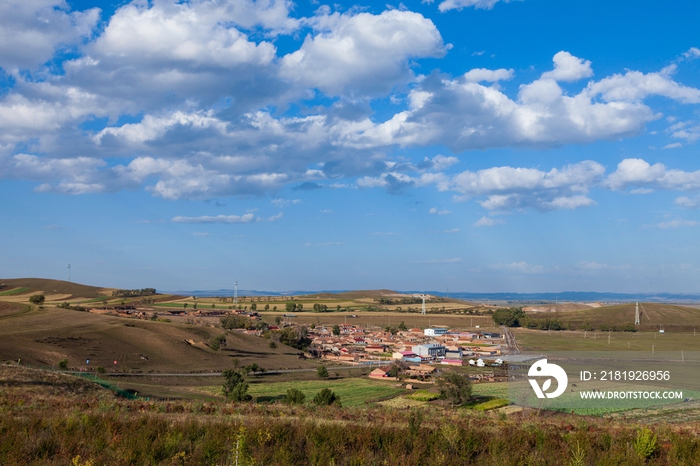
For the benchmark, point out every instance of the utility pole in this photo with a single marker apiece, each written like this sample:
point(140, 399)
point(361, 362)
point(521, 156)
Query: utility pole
point(68, 272)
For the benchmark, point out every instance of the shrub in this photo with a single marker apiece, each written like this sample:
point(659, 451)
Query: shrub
point(217, 342)
point(322, 372)
point(327, 397)
point(645, 443)
point(37, 299)
point(294, 396)
point(63, 364)
point(101, 369)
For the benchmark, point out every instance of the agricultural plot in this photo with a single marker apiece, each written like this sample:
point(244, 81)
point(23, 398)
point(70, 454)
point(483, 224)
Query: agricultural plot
point(352, 391)
point(567, 340)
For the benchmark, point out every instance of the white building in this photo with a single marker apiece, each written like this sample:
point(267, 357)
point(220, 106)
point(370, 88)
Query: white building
point(432, 350)
point(434, 332)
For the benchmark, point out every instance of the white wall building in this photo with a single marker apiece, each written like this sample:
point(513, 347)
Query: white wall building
point(434, 332)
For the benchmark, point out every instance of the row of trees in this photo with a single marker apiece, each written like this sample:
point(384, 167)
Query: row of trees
point(136, 292)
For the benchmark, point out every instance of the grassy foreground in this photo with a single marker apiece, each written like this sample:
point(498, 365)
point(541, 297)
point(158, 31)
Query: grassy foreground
point(53, 419)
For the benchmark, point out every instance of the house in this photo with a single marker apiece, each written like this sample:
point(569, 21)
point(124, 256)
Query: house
point(434, 332)
point(380, 372)
point(375, 348)
point(432, 350)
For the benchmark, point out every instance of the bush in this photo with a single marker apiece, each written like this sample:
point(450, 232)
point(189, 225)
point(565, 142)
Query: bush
point(327, 397)
point(235, 321)
point(217, 342)
point(295, 397)
point(101, 369)
point(296, 337)
point(63, 364)
point(37, 299)
point(322, 372)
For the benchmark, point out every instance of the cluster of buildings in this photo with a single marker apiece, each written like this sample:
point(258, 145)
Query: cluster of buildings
point(358, 345)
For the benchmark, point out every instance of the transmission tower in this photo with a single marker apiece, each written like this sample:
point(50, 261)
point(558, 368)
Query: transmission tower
point(636, 314)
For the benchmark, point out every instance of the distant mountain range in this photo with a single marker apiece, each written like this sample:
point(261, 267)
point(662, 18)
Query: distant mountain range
point(575, 296)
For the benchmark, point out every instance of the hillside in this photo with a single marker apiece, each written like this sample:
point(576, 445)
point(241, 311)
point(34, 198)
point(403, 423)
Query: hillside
point(652, 316)
point(44, 337)
point(50, 287)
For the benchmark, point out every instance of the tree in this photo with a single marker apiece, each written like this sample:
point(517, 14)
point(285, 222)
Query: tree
point(322, 372)
point(254, 307)
point(337, 308)
point(267, 307)
point(326, 397)
point(217, 342)
point(278, 319)
point(300, 307)
point(402, 326)
point(37, 299)
point(273, 345)
point(296, 337)
point(336, 330)
point(294, 396)
point(290, 307)
point(235, 388)
point(63, 364)
point(455, 387)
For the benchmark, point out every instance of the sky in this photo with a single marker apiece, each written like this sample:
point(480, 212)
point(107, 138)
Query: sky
point(475, 145)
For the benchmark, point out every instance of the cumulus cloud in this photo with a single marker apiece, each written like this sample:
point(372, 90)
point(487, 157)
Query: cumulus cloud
point(435, 210)
point(284, 202)
point(482, 74)
point(33, 31)
point(362, 53)
point(639, 173)
point(514, 188)
point(568, 68)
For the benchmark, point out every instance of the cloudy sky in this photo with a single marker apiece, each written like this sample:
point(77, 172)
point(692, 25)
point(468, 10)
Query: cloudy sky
point(480, 145)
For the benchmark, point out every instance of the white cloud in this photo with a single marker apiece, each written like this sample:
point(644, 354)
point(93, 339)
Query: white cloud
point(687, 202)
point(634, 86)
point(362, 53)
point(488, 222)
point(33, 31)
point(638, 172)
point(568, 68)
point(447, 5)
point(692, 53)
point(452, 230)
point(678, 223)
point(675, 145)
point(512, 188)
point(246, 218)
point(200, 233)
point(482, 74)
point(285, 202)
point(434, 210)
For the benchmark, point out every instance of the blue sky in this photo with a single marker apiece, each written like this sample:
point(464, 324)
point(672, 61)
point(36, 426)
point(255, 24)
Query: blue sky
point(484, 145)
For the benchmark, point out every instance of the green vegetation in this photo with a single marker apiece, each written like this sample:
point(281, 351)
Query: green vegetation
point(295, 397)
point(14, 291)
point(235, 388)
point(491, 404)
point(423, 395)
point(326, 397)
point(322, 372)
point(137, 292)
point(217, 342)
point(63, 364)
point(37, 299)
point(296, 337)
point(455, 387)
point(353, 391)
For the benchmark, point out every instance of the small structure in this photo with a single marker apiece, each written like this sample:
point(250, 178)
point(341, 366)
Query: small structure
point(434, 332)
point(433, 350)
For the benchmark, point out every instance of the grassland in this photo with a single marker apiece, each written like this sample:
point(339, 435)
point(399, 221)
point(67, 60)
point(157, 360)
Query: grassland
point(53, 419)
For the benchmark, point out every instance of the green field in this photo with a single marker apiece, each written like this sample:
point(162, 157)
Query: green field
point(566, 340)
point(13, 291)
point(352, 391)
